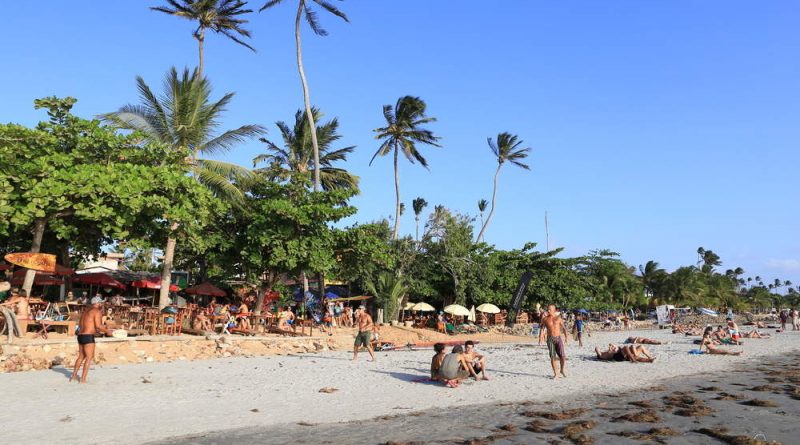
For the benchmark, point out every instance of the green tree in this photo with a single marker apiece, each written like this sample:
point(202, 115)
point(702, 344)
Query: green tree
point(84, 182)
point(389, 290)
point(419, 205)
point(482, 204)
point(402, 132)
point(507, 149)
point(303, 7)
point(363, 252)
point(185, 118)
point(296, 156)
point(220, 16)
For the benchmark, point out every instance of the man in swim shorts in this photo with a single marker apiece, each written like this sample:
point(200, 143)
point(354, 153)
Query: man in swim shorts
point(553, 324)
point(364, 322)
point(91, 322)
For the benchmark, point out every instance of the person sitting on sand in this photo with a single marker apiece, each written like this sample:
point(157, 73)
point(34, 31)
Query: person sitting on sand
point(437, 360)
point(644, 341)
point(286, 319)
point(713, 349)
point(20, 304)
point(631, 353)
point(477, 360)
point(202, 322)
point(733, 329)
point(456, 368)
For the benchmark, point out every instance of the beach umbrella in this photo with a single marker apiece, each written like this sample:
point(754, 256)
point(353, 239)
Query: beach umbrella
point(457, 310)
point(98, 279)
point(582, 311)
point(423, 307)
point(472, 317)
point(708, 312)
point(409, 306)
point(39, 280)
point(331, 296)
point(488, 308)
point(57, 270)
point(205, 289)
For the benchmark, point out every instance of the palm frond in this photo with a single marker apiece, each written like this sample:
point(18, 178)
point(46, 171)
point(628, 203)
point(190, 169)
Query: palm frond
point(313, 22)
point(269, 4)
point(226, 141)
point(332, 9)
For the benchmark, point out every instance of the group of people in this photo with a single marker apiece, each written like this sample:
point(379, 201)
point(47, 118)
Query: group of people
point(792, 315)
point(460, 364)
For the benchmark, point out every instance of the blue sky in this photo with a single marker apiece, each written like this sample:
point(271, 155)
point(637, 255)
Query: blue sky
point(655, 127)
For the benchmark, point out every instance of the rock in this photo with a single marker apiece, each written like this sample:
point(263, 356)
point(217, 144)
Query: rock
point(328, 390)
point(182, 358)
point(46, 348)
point(139, 353)
point(318, 346)
point(149, 359)
point(123, 358)
point(226, 354)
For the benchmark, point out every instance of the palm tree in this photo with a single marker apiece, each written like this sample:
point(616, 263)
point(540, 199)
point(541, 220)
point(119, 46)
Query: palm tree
point(507, 149)
point(418, 204)
point(403, 131)
point(220, 16)
point(296, 156)
point(482, 204)
point(185, 118)
point(311, 18)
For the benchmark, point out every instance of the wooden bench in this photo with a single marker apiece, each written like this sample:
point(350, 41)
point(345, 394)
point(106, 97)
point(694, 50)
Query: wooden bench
point(69, 325)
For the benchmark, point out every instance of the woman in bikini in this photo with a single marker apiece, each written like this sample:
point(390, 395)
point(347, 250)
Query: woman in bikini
point(708, 342)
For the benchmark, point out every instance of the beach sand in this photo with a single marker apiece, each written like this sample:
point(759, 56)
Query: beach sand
point(275, 398)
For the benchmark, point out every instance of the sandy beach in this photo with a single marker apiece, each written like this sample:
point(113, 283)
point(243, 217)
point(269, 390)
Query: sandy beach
point(133, 404)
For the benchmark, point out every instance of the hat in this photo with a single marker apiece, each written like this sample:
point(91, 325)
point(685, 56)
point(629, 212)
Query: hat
point(97, 300)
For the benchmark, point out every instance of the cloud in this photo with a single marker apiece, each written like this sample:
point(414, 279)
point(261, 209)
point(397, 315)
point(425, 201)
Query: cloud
point(785, 265)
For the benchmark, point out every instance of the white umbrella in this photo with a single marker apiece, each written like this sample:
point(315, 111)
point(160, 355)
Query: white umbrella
point(423, 307)
point(408, 306)
point(472, 317)
point(488, 308)
point(457, 310)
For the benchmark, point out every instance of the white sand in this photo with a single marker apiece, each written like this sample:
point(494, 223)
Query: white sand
point(184, 398)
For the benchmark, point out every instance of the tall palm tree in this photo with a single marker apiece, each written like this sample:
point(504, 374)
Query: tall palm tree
point(311, 18)
point(402, 132)
point(296, 156)
point(507, 149)
point(220, 16)
point(482, 204)
point(418, 204)
point(184, 117)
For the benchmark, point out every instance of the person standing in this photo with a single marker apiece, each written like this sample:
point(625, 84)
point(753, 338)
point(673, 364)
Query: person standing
point(580, 327)
point(364, 322)
point(553, 324)
point(795, 320)
point(91, 322)
point(784, 317)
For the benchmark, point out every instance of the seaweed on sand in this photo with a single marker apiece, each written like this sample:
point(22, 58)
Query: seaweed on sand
point(644, 416)
point(538, 426)
point(687, 405)
point(761, 403)
point(722, 435)
point(563, 415)
point(728, 396)
point(642, 403)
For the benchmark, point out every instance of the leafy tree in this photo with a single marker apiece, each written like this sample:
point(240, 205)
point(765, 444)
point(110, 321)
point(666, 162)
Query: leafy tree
point(296, 156)
point(363, 252)
point(82, 181)
point(303, 7)
point(220, 16)
point(506, 149)
point(419, 205)
point(402, 132)
point(389, 290)
point(448, 244)
point(286, 229)
point(185, 118)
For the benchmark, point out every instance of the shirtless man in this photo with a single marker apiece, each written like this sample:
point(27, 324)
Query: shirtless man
point(242, 316)
point(90, 324)
point(19, 302)
point(554, 325)
point(364, 322)
point(478, 361)
point(626, 352)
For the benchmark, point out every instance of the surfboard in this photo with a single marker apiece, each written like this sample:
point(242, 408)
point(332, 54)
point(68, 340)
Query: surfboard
point(43, 262)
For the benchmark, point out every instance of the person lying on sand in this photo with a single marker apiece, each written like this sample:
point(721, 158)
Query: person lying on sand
point(456, 368)
point(477, 360)
point(755, 334)
point(437, 360)
point(645, 341)
point(713, 349)
point(632, 353)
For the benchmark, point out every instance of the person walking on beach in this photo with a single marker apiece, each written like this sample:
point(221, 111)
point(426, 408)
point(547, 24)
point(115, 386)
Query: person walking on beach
point(364, 322)
point(795, 320)
point(90, 324)
point(579, 328)
point(553, 324)
point(784, 317)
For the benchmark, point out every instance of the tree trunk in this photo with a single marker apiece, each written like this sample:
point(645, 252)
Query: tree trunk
point(201, 38)
point(67, 286)
point(321, 287)
point(397, 196)
point(307, 96)
point(417, 220)
point(491, 211)
point(36, 246)
point(166, 270)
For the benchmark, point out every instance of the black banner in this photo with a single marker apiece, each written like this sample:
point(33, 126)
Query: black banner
point(519, 296)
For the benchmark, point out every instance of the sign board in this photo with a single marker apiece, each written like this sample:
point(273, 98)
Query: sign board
point(43, 262)
point(519, 296)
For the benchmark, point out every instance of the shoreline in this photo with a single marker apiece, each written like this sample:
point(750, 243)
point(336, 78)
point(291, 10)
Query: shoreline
point(151, 402)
